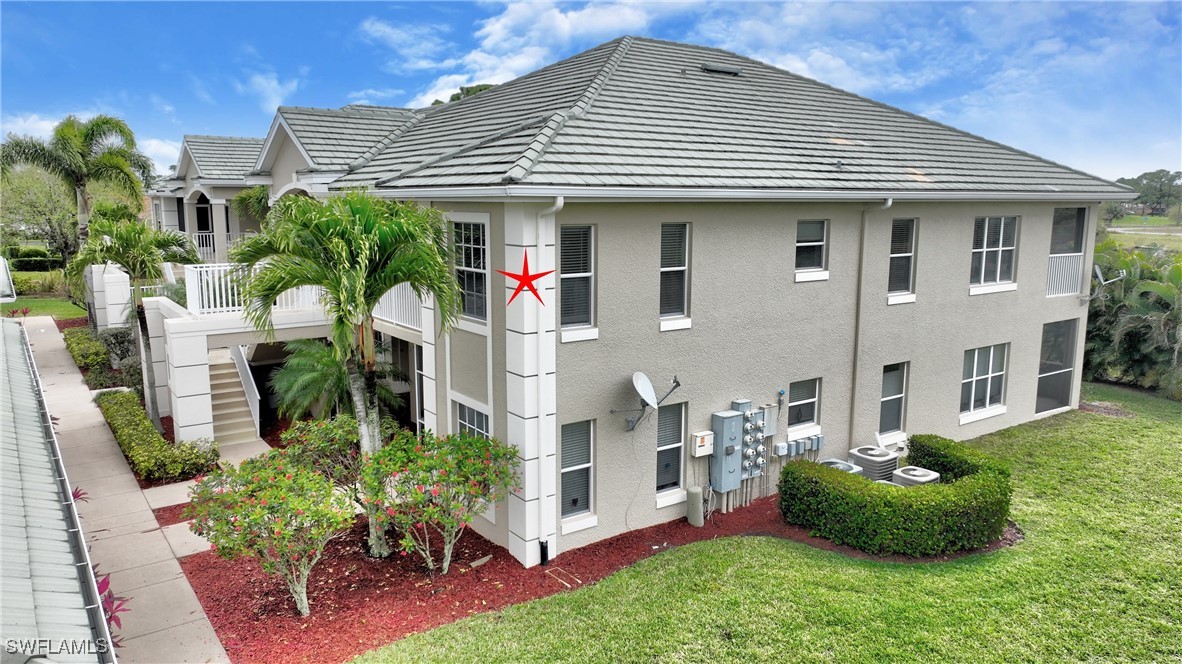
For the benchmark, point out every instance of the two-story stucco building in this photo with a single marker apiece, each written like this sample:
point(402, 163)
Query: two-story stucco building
point(861, 271)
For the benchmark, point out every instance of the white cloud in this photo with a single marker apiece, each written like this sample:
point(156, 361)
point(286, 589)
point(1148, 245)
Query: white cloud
point(30, 124)
point(163, 153)
point(417, 47)
point(370, 95)
point(270, 91)
point(199, 89)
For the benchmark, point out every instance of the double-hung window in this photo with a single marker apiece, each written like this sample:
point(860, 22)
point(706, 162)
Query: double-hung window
point(803, 402)
point(670, 441)
point(577, 459)
point(894, 392)
point(983, 378)
point(471, 421)
point(577, 276)
point(994, 243)
point(471, 247)
point(901, 274)
point(674, 270)
point(810, 244)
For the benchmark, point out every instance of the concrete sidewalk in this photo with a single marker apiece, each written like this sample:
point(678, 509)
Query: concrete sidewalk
point(165, 623)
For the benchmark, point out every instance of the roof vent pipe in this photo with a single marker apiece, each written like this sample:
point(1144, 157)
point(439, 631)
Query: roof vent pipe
point(720, 68)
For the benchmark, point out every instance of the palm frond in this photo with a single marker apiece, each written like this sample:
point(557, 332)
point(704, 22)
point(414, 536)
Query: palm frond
point(20, 150)
point(113, 168)
point(102, 131)
point(312, 381)
point(252, 203)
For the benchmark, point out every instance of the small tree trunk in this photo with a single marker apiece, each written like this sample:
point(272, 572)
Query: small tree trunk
point(298, 587)
point(369, 437)
point(146, 361)
point(83, 200)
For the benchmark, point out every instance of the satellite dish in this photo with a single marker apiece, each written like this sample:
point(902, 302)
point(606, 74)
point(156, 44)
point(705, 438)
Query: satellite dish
point(644, 387)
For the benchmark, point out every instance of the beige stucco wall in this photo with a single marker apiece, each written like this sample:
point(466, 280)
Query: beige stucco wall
point(288, 161)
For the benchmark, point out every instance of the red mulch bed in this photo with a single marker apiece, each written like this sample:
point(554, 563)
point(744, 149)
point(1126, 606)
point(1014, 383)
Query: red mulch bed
point(65, 323)
point(167, 516)
point(166, 424)
point(359, 603)
point(273, 432)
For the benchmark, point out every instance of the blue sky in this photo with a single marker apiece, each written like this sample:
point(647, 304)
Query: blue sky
point(1096, 86)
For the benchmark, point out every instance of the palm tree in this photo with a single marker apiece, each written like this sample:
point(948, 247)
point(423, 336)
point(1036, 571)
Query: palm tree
point(101, 149)
point(141, 252)
point(355, 247)
point(1154, 308)
point(313, 382)
point(252, 203)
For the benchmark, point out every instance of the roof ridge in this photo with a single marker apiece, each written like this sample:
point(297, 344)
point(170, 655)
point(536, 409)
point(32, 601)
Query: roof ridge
point(233, 138)
point(524, 164)
point(387, 141)
point(466, 147)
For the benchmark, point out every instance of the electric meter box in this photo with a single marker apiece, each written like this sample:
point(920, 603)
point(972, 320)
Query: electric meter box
point(702, 444)
point(726, 461)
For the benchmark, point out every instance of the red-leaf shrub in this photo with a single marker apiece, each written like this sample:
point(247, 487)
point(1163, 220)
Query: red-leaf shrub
point(429, 488)
point(281, 513)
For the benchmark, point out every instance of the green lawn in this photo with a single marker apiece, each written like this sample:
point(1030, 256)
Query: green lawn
point(1132, 240)
point(1139, 220)
point(1099, 577)
point(58, 307)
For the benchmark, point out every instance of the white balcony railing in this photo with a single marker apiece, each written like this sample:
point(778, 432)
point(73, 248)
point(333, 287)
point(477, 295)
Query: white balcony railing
point(216, 288)
point(232, 238)
point(1064, 274)
point(205, 246)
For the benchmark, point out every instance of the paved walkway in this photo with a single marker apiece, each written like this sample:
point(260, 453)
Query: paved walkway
point(165, 623)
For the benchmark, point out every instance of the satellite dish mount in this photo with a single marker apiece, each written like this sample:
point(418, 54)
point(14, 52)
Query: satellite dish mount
point(648, 398)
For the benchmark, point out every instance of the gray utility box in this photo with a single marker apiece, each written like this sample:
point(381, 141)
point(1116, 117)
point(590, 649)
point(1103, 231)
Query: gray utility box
point(726, 464)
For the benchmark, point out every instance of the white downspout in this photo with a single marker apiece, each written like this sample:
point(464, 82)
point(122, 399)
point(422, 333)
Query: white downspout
point(539, 238)
point(858, 317)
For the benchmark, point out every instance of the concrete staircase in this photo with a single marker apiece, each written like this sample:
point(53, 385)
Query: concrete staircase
point(233, 425)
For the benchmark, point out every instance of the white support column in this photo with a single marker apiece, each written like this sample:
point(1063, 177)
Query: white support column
point(530, 385)
point(430, 384)
point(190, 216)
point(159, 360)
point(221, 229)
point(110, 293)
point(190, 402)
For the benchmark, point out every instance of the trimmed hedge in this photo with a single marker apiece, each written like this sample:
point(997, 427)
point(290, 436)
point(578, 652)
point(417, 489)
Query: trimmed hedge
point(34, 252)
point(87, 351)
point(35, 264)
point(102, 378)
point(966, 510)
point(151, 457)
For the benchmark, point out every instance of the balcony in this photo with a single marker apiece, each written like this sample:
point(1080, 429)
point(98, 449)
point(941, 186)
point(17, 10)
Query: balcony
point(1064, 274)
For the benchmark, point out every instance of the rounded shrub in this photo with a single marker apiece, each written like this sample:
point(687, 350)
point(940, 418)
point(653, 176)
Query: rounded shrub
point(87, 351)
point(966, 510)
point(119, 340)
point(34, 252)
point(151, 456)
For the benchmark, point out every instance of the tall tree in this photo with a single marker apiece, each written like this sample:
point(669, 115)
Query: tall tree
point(355, 247)
point(99, 149)
point(1158, 189)
point(141, 252)
point(37, 205)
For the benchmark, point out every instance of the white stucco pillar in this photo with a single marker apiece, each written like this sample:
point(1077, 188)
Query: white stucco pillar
point(159, 360)
point(530, 385)
point(430, 386)
point(110, 293)
point(190, 403)
point(221, 230)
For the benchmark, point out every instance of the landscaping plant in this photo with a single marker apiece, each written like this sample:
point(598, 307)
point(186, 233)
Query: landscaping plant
point(429, 488)
point(268, 508)
point(151, 456)
point(313, 382)
point(119, 340)
point(87, 351)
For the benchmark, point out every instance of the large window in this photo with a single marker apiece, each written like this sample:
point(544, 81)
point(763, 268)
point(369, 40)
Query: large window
point(994, 242)
point(471, 421)
point(902, 267)
point(810, 244)
point(577, 463)
point(670, 440)
point(1056, 365)
point(674, 269)
point(577, 275)
point(894, 397)
point(1067, 230)
point(803, 401)
point(983, 378)
point(472, 268)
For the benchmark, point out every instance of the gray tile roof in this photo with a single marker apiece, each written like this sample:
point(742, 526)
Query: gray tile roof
point(224, 157)
point(638, 112)
point(334, 138)
point(42, 593)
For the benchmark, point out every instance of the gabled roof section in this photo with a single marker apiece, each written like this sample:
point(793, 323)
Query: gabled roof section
point(644, 113)
point(222, 157)
point(332, 139)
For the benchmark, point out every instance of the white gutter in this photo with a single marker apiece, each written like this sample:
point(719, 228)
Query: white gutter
point(539, 238)
point(580, 194)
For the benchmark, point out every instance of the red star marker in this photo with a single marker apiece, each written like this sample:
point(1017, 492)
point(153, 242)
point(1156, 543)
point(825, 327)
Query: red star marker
point(525, 280)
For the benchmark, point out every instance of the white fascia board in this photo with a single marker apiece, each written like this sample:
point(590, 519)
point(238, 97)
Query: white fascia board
point(180, 161)
point(588, 194)
point(258, 179)
point(262, 160)
point(215, 182)
point(266, 160)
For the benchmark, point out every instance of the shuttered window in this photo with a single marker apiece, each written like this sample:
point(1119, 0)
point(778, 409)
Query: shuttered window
point(902, 264)
point(670, 441)
point(983, 378)
point(472, 268)
point(894, 388)
point(994, 242)
point(810, 245)
point(803, 398)
point(674, 269)
point(576, 275)
point(576, 468)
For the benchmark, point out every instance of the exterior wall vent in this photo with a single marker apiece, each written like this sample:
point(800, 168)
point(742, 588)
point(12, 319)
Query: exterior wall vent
point(719, 68)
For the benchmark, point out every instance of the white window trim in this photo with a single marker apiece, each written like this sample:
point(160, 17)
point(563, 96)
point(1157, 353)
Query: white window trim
point(902, 396)
point(681, 466)
point(995, 288)
point(681, 323)
point(910, 253)
point(823, 244)
point(900, 298)
point(999, 248)
point(465, 317)
point(572, 334)
point(590, 466)
point(670, 497)
point(686, 282)
point(892, 438)
point(991, 375)
point(460, 423)
point(590, 279)
point(811, 275)
point(574, 524)
point(802, 431)
point(983, 414)
point(816, 421)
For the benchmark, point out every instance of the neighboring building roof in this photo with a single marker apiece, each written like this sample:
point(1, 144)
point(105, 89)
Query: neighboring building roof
point(223, 157)
point(643, 113)
point(334, 138)
point(43, 562)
